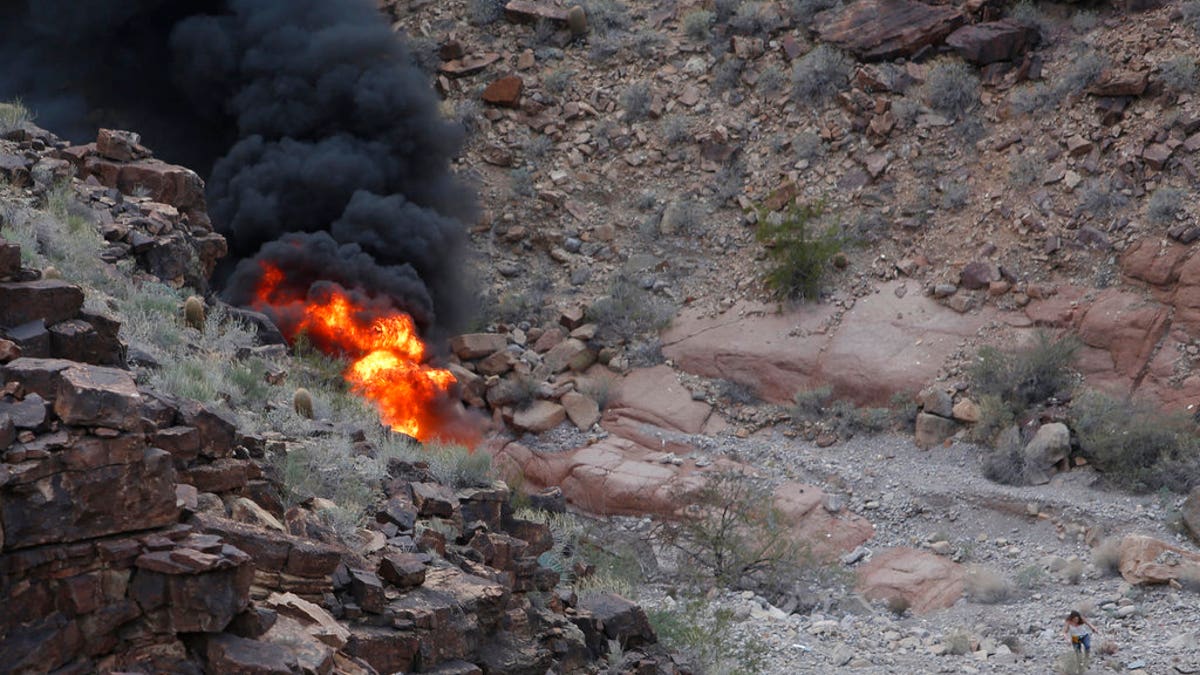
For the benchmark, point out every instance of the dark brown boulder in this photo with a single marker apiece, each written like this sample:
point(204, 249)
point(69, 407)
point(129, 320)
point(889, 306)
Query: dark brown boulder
point(404, 569)
point(53, 300)
point(505, 91)
point(977, 275)
point(620, 619)
point(122, 146)
point(98, 396)
point(233, 655)
point(878, 30)
point(39, 376)
point(10, 255)
point(1120, 83)
point(984, 43)
point(95, 487)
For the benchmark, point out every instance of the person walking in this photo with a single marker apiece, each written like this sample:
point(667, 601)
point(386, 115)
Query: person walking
point(1078, 631)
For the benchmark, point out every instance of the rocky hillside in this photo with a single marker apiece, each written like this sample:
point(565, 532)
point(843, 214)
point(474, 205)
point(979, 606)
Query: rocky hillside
point(153, 520)
point(838, 335)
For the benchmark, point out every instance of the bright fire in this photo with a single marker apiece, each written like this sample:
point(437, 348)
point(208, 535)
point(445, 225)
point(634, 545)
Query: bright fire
point(387, 356)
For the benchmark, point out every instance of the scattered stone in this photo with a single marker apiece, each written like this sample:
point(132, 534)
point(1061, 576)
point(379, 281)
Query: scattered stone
point(505, 91)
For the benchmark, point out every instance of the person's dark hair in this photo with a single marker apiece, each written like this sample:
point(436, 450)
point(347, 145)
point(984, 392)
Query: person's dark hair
point(1075, 615)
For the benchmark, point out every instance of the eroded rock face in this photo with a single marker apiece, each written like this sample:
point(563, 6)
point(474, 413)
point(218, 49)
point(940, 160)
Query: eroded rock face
point(883, 345)
point(926, 581)
point(992, 41)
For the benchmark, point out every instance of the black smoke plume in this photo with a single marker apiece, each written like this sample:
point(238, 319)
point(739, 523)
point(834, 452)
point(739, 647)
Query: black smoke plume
point(320, 136)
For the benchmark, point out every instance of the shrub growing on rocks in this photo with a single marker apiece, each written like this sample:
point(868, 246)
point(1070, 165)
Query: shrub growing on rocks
point(628, 311)
point(1164, 205)
point(1179, 74)
point(1026, 377)
point(1137, 445)
point(801, 250)
point(13, 114)
point(730, 532)
point(696, 25)
point(820, 74)
point(952, 88)
point(636, 101)
point(986, 586)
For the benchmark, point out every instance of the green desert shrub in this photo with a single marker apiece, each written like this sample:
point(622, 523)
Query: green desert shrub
point(636, 101)
point(1025, 377)
point(952, 88)
point(1164, 205)
point(13, 115)
point(820, 74)
point(628, 311)
point(1179, 74)
point(697, 25)
point(703, 633)
point(801, 250)
point(1137, 445)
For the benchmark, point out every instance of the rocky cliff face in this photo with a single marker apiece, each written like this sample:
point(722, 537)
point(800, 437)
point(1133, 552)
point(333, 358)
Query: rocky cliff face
point(140, 532)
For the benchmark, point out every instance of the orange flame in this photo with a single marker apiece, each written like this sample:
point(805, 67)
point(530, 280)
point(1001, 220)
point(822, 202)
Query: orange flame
point(387, 356)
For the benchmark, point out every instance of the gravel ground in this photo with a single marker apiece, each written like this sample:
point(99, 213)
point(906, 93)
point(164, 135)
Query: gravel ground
point(913, 497)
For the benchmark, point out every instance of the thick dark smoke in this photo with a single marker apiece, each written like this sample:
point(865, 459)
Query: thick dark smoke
point(308, 116)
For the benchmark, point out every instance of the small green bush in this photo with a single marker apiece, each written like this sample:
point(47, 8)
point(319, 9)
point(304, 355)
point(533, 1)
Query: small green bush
point(1191, 14)
point(802, 253)
point(697, 25)
point(730, 532)
point(952, 88)
point(1136, 445)
point(809, 404)
point(1031, 15)
point(628, 311)
point(1106, 556)
point(808, 145)
point(820, 74)
point(958, 642)
point(676, 129)
point(727, 76)
point(1086, 67)
point(459, 466)
point(1028, 98)
point(770, 80)
point(1179, 74)
point(1164, 205)
point(986, 586)
point(1026, 169)
point(1099, 200)
point(703, 634)
point(1025, 377)
point(755, 18)
point(13, 115)
point(1005, 464)
point(1031, 577)
point(537, 148)
point(605, 16)
point(558, 80)
point(737, 393)
point(636, 101)
point(521, 180)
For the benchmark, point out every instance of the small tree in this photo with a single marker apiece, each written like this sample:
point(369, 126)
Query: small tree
point(802, 253)
point(729, 529)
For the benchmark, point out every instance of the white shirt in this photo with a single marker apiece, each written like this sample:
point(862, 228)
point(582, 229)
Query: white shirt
point(1078, 631)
